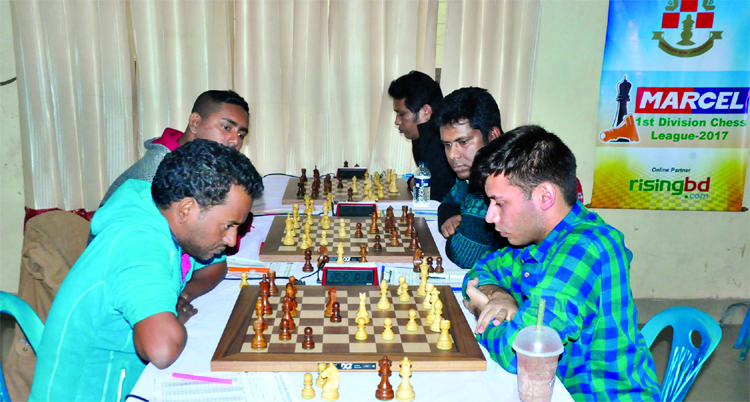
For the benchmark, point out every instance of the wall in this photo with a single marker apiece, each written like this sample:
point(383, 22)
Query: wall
point(11, 171)
point(677, 254)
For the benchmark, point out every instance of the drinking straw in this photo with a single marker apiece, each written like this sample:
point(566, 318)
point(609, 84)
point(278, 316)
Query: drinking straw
point(540, 315)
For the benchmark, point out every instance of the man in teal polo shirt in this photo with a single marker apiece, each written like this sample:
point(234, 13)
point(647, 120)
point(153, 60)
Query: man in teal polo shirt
point(562, 254)
point(115, 311)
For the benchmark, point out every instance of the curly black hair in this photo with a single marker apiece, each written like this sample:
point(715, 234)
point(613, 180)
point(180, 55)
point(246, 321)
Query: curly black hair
point(416, 89)
point(528, 156)
point(473, 104)
point(204, 170)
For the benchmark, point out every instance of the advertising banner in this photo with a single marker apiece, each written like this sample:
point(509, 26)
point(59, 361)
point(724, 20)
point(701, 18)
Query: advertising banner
point(673, 106)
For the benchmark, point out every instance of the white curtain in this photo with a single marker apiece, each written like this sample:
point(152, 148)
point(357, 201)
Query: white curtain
point(74, 84)
point(97, 78)
point(316, 74)
point(182, 48)
point(492, 44)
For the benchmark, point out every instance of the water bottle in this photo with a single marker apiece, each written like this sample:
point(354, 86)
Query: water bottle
point(421, 187)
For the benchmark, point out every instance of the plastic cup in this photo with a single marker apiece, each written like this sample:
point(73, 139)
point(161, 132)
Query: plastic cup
point(537, 353)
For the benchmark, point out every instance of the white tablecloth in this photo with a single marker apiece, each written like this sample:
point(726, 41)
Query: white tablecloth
point(205, 328)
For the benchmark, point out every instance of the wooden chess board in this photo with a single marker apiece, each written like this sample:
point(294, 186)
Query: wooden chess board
point(274, 249)
point(335, 342)
point(340, 194)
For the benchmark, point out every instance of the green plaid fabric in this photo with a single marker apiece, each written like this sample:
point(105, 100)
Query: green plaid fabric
point(581, 270)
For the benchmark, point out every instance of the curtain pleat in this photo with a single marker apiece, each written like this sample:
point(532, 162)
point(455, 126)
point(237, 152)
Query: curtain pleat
point(97, 78)
point(74, 84)
point(492, 44)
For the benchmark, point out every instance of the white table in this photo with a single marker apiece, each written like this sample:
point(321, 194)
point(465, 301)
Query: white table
point(205, 328)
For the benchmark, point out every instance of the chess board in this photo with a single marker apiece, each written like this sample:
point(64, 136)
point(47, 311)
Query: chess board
point(335, 342)
point(340, 194)
point(274, 249)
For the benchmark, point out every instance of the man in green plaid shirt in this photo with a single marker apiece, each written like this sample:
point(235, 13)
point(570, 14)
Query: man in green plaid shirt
point(565, 255)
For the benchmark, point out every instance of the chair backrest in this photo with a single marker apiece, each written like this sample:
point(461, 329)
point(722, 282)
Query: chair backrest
point(28, 321)
point(685, 360)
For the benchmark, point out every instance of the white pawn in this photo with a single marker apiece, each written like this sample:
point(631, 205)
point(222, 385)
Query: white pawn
point(427, 304)
point(361, 334)
point(404, 297)
point(308, 392)
point(323, 239)
point(387, 331)
point(401, 281)
point(412, 325)
point(384, 303)
point(435, 326)
point(354, 185)
point(342, 230)
point(405, 392)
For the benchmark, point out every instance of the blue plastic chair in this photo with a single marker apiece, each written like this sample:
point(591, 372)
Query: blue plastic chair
point(685, 360)
point(29, 322)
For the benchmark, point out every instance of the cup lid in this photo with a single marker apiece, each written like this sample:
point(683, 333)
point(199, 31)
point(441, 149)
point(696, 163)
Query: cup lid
point(544, 343)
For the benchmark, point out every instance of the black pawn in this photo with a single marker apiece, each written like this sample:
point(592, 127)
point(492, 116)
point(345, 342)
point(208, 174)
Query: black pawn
point(377, 245)
point(336, 312)
point(308, 343)
point(285, 335)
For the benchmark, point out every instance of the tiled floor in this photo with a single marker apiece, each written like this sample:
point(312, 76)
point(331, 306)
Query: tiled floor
point(722, 377)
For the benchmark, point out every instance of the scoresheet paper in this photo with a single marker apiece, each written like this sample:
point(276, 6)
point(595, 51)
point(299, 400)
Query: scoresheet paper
point(283, 269)
point(451, 277)
point(266, 387)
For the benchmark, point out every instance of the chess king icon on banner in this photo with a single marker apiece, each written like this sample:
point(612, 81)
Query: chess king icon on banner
point(623, 128)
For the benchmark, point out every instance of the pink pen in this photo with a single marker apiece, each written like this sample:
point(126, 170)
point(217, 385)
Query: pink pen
point(201, 378)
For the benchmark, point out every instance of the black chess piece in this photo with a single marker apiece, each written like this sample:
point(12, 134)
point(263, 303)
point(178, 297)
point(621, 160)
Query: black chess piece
point(385, 390)
point(623, 97)
point(336, 312)
point(308, 257)
point(340, 184)
point(308, 343)
point(377, 245)
point(359, 233)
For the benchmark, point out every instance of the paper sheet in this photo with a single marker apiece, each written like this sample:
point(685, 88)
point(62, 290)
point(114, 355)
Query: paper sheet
point(283, 269)
point(266, 387)
point(451, 277)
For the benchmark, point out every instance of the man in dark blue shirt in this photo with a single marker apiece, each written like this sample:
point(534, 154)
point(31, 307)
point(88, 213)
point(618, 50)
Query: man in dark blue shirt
point(415, 97)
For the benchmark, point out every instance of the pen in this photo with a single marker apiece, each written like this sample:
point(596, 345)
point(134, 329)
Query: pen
point(202, 378)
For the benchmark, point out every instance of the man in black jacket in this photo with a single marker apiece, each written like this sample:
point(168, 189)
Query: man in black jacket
point(415, 97)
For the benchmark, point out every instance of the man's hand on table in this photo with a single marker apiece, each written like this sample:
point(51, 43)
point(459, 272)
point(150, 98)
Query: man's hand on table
point(489, 303)
point(185, 310)
point(449, 227)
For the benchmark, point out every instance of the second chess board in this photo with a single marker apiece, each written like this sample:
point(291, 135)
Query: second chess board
point(274, 249)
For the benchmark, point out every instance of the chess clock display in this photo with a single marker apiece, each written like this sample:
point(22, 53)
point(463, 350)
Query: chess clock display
point(342, 274)
point(355, 208)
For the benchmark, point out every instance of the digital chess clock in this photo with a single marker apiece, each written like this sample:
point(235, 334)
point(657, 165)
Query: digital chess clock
point(337, 274)
point(355, 208)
